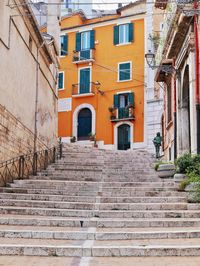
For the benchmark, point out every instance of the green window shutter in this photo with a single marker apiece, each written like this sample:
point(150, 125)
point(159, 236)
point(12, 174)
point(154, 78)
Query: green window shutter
point(116, 100)
point(124, 71)
point(131, 32)
point(116, 35)
point(64, 45)
point(131, 98)
point(92, 39)
point(60, 81)
point(78, 41)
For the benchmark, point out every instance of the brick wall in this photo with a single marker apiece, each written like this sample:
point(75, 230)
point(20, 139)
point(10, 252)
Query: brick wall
point(15, 138)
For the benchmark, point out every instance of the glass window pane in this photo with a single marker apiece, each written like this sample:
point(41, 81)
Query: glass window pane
point(60, 81)
point(85, 40)
point(125, 71)
point(124, 33)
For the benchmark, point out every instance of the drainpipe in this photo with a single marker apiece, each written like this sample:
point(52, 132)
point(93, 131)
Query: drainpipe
point(175, 115)
point(197, 74)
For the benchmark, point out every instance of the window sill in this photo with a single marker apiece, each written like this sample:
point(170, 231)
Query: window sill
point(61, 89)
point(83, 95)
point(123, 44)
point(127, 80)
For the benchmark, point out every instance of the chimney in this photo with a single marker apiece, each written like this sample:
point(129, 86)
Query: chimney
point(119, 5)
point(53, 19)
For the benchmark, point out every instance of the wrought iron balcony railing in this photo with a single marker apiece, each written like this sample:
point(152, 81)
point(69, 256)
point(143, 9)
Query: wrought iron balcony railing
point(83, 56)
point(30, 164)
point(125, 113)
point(83, 89)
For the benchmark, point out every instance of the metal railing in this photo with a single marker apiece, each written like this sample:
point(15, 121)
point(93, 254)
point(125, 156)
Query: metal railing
point(83, 88)
point(84, 55)
point(122, 113)
point(23, 166)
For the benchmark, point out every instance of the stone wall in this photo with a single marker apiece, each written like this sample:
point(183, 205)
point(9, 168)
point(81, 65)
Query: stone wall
point(15, 138)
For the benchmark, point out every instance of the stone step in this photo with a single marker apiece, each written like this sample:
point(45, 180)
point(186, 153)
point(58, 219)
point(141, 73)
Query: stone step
point(42, 183)
point(35, 220)
point(101, 213)
point(49, 191)
point(92, 234)
point(83, 199)
point(91, 206)
point(18, 196)
point(90, 248)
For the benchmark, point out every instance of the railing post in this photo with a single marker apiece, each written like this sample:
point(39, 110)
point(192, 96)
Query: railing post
point(21, 167)
point(45, 159)
point(60, 147)
point(35, 163)
point(54, 155)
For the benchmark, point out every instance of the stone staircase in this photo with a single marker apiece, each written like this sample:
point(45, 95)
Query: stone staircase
point(97, 203)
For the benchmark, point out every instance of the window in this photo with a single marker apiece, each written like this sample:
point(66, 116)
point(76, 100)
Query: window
point(63, 45)
point(67, 3)
point(61, 81)
point(124, 71)
point(169, 102)
point(123, 100)
point(123, 33)
point(85, 40)
point(124, 103)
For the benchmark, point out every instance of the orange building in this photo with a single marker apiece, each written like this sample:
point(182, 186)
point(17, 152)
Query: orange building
point(101, 80)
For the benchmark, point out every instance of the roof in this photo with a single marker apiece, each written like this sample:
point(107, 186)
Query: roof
point(131, 4)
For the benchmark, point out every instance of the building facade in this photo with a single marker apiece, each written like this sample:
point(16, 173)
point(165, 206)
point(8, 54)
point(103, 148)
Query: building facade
point(104, 80)
point(29, 67)
point(179, 50)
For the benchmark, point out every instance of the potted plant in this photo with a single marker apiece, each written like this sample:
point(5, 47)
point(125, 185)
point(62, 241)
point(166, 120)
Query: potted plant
point(92, 136)
point(73, 139)
point(165, 169)
point(111, 109)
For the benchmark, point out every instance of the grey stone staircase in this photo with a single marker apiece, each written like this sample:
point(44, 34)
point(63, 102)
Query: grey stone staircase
point(95, 203)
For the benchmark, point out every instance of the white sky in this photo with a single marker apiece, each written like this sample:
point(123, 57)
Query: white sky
point(111, 6)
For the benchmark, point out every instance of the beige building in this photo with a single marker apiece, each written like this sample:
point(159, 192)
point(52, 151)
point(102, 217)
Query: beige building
point(179, 50)
point(28, 80)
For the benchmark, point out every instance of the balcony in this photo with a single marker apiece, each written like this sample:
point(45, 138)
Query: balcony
point(84, 89)
point(84, 56)
point(120, 114)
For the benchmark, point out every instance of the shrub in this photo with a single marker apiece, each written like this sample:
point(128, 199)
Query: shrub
point(183, 162)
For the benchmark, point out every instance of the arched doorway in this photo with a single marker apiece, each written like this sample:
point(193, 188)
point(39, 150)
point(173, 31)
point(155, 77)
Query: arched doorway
point(84, 124)
point(124, 136)
point(185, 113)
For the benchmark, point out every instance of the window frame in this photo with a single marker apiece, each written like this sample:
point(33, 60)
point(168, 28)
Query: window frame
point(61, 72)
point(125, 80)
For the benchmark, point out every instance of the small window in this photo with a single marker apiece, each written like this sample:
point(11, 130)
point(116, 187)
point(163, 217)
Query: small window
point(63, 45)
point(123, 34)
point(61, 81)
point(124, 72)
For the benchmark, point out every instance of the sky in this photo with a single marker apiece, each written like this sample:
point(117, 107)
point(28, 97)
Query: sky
point(100, 6)
point(110, 6)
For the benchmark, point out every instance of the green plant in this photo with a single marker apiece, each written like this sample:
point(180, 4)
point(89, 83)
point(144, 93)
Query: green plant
point(183, 162)
point(73, 139)
point(183, 184)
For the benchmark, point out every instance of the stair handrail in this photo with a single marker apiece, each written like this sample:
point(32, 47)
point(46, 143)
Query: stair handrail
point(22, 166)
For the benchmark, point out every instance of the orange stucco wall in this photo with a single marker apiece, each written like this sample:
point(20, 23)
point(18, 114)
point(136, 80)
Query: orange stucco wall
point(106, 56)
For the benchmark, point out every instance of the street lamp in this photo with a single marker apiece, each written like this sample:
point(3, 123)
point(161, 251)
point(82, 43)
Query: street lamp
point(150, 59)
point(98, 84)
